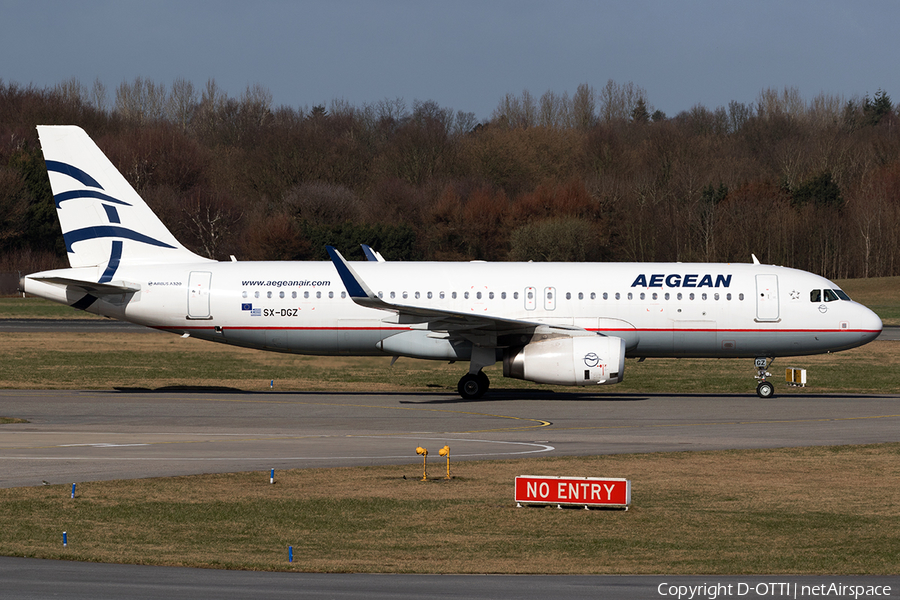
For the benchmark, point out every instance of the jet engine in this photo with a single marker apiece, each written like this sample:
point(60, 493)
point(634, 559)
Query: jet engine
point(579, 360)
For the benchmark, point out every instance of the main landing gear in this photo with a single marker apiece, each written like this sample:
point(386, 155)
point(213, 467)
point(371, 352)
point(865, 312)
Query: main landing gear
point(475, 383)
point(765, 389)
point(472, 387)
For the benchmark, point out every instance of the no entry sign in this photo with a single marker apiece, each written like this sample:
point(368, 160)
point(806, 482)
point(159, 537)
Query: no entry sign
point(573, 491)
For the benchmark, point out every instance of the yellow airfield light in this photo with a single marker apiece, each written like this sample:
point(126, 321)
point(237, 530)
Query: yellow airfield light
point(424, 453)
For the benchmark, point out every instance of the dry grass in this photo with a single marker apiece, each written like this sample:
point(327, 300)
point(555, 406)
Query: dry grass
point(158, 360)
point(809, 510)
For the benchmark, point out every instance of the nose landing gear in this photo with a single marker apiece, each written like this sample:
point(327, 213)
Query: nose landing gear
point(765, 389)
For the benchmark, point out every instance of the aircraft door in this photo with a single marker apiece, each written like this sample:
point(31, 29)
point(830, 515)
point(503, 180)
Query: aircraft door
point(530, 298)
point(198, 295)
point(767, 298)
point(550, 298)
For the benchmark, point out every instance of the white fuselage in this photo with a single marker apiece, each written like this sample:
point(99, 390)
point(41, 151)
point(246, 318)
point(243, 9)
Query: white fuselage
point(659, 309)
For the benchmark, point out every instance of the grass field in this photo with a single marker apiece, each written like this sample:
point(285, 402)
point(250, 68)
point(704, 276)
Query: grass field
point(159, 360)
point(827, 510)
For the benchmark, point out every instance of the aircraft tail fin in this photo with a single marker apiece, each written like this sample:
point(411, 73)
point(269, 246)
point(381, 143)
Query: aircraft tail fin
point(104, 221)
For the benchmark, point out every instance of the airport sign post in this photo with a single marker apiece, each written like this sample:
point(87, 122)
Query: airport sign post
point(589, 492)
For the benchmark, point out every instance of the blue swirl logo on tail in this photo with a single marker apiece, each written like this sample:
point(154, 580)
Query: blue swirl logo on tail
point(113, 230)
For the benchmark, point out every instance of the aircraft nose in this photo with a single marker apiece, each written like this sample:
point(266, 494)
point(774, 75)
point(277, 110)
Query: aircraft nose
point(871, 325)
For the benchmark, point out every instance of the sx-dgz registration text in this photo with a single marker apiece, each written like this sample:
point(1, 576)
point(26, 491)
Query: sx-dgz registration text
point(280, 312)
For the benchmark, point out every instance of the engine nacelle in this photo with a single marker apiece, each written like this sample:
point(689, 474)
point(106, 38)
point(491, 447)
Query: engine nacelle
point(580, 360)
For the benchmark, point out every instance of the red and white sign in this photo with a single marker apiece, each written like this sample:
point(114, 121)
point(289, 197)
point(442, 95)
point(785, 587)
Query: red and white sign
point(573, 491)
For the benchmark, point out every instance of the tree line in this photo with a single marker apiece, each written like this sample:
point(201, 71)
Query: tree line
point(600, 175)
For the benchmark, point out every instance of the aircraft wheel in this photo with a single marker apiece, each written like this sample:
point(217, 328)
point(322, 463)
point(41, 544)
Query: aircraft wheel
point(765, 390)
point(472, 387)
point(485, 381)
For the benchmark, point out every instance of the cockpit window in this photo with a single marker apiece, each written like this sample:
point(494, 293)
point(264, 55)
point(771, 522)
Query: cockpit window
point(842, 294)
point(830, 296)
point(815, 296)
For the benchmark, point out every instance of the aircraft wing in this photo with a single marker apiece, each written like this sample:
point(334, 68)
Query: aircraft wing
point(436, 319)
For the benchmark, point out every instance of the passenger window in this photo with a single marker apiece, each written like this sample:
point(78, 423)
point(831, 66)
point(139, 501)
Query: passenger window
point(318, 294)
point(630, 296)
point(429, 295)
point(441, 295)
point(466, 295)
point(380, 294)
point(491, 296)
point(268, 294)
point(478, 295)
point(503, 295)
point(281, 294)
point(293, 294)
point(331, 294)
point(244, 295)
point(417, 295)
point(703, 296)
point(344, 294)
point(667, 296)
point(306, 294)
point(393, 295)
point(580, 295)
point(568, 295)
point(716, 296)
point(405, 295)
point(691, 296)
point(830, 296)
point(815, 296)
point(728, 296)
point(593, 295)
point(453, 295)
point(643, 296)
point(740, 296)
point(618, 295)
point(605, 296)
point(515, 295)
point(655, 296)
point(256, 294)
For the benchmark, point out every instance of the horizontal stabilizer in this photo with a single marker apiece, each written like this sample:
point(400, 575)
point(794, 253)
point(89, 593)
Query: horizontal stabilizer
point(92, 287)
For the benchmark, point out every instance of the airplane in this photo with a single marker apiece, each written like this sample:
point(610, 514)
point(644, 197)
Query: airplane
point(556, 323)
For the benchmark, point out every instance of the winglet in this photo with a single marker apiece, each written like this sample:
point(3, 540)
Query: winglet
point(371, 255)
point(355, 286)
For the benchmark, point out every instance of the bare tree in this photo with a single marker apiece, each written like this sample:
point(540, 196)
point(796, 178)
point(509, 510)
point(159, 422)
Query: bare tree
point(738, 114)
point(256, 103)
point(211, 221)
point(772, 103)
point(617, 102)
point(584, 103)
point(72, 92)
point(825, 109)
point(98, 96)
point(553, 110)
point(463, 123)
point(182, 102)
point(141, 101)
